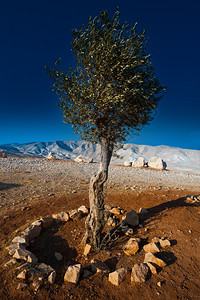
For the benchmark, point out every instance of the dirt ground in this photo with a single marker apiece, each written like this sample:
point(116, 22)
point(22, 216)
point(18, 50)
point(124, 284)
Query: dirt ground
point(168, 215)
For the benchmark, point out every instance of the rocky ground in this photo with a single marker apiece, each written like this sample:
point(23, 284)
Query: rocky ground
point(34, 188)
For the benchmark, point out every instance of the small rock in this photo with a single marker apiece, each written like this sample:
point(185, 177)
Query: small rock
point(75, 214)
point(112, 222)
point(149, 257)
point(164, 243)
point(99, 266)
point(127, 164)
point(52, 277)
point(139, 272)
point(63, 216)
point(83, 209)
point(37, 223)
point(131, 247)
point(118, 276)
point(129, 232)
point(44, 268)
point(152, 268)
point(159, 283)
point(12, 248)
point(72, 274)
point(25, 255)
point(21, 240)
point(58, 256)
point(22, 275)
point(115, 211)
point(87, 249)
point(151, 247)
point(132, 218)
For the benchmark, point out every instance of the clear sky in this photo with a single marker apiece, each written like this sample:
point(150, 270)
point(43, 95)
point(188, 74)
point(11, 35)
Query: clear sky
point(35, 33)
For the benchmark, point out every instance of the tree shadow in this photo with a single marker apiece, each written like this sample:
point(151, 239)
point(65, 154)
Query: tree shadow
point(47, 244)
point(172, 204)
point(7, 186)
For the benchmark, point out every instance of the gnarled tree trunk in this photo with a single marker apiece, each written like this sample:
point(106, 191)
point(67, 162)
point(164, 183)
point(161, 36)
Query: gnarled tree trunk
point(95, 220)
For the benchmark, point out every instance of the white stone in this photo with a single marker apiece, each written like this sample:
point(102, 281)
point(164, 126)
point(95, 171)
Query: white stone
point(22, 275)
point(76, 214)
point(157, 163)
point(139, 272)
point(72, 274)
point(149, 257)
point(21, 240)
point(83, 209)
point(131, 247)
point(25, 255)
point(62, 216)
point(84, 159)
point(118, 276)
point(138, 163)
point(127, 164)
point(37, 223)
point(164, 243)
point(87, 249)
point(151, 247)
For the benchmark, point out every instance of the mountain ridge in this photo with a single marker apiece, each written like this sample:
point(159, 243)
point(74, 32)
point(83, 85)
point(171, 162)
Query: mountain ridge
point(180, 159)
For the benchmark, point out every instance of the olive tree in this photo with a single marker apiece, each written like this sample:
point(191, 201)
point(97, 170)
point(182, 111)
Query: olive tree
point(111, 91)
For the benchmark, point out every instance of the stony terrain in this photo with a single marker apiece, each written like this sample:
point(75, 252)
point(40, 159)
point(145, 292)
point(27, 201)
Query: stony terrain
point(26, 180)
point(33, 188)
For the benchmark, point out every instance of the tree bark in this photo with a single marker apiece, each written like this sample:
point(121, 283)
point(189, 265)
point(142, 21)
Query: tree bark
point(95, 221)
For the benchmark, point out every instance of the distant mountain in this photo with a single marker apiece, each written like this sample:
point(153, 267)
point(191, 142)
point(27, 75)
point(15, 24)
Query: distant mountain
point(176, 158)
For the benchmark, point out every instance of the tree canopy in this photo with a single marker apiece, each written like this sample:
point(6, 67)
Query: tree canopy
point(113, 88)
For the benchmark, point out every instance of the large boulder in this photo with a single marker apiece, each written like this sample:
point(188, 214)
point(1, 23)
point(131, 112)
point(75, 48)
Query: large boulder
point(138, 163)
point(84, 159)
point(127, 164)
point(157, 163)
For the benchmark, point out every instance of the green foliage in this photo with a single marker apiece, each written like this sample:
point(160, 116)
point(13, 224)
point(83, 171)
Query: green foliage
point(113, 88)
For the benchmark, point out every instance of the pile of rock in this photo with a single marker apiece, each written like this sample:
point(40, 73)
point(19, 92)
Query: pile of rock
point(39, 273)
point(154, 163)
point(139, 272)
point(30, 268)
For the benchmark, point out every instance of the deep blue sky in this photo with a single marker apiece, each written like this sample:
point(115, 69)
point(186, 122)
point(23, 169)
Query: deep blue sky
point(35, 33)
